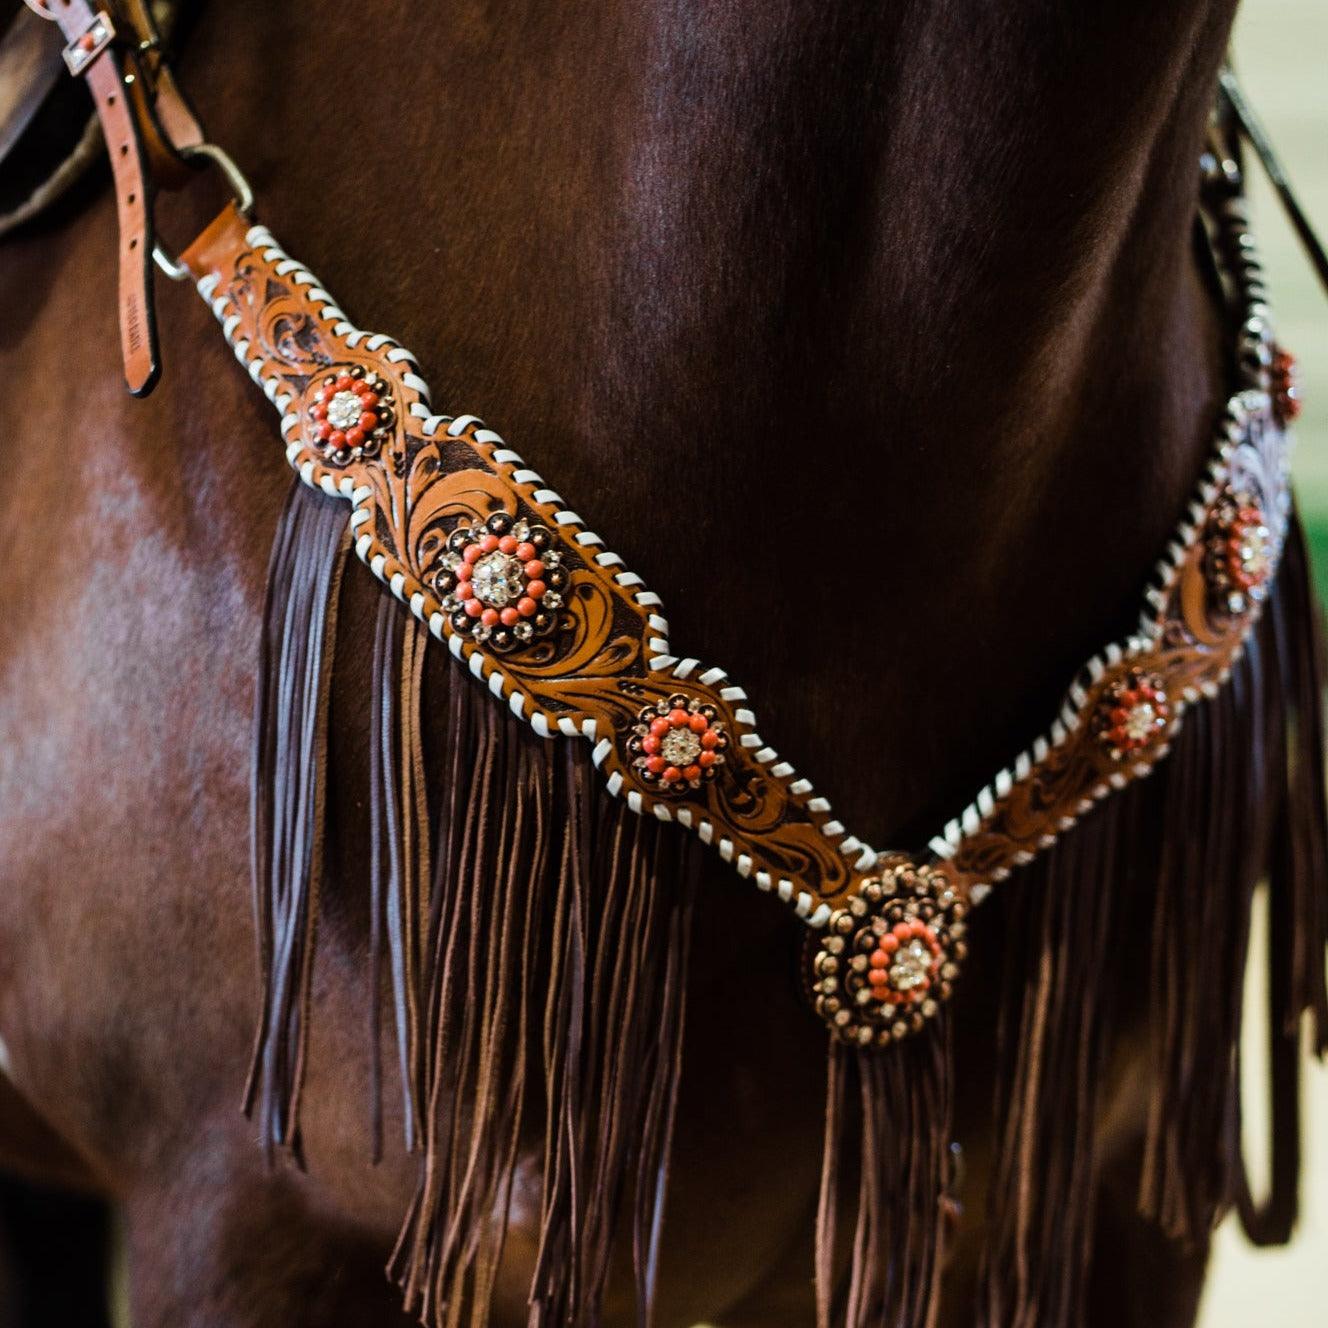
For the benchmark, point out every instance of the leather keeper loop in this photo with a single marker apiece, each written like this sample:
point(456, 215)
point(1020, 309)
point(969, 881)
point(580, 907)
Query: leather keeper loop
point(165, 118)
point(242, 202)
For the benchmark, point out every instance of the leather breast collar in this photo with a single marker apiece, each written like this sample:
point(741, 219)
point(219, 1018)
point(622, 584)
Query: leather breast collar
point(531, 602)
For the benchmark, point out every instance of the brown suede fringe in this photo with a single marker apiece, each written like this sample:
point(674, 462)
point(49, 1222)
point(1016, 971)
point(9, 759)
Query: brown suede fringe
point(888, 1164)
point(545, 967)
point(1135, 926)
point(533, 935)
point(286, 796)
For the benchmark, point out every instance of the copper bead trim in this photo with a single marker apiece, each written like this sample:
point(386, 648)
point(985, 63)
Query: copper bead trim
point(1284, 384)
point(888, 960)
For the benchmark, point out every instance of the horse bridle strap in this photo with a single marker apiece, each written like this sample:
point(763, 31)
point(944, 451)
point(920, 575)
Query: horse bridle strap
point(533, 604)
point(149, 130)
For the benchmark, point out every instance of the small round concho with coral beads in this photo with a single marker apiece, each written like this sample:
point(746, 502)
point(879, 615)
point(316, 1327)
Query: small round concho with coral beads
point(1133, 714)
point(351, 415)
point(1241, 553)
point(502, 581)
point(678, 743)
point(890, 956)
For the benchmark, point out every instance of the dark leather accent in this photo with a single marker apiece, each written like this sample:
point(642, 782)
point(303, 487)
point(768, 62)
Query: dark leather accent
point(30, 68)
point(44, 118)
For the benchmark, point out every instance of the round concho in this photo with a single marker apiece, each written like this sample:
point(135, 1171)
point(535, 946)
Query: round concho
point(350, 415)
point(502, 582)
point(678, 744)
point(1133, 713)
point(1240, 553)
point(887, 960)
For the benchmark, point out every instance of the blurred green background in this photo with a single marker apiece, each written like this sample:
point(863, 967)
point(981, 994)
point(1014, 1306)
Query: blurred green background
point(1282, 59)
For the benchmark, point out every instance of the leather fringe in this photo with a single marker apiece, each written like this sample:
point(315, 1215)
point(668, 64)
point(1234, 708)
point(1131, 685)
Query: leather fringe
point(1298, 897)
point(1217, 790)
point(1065, 939)
point(286, 796)
point(1253, 788)
point(399, 856)
point(887, 1160)
point(542, 961)
point(1166, 872)
point(612, 1045)
point(534, 936)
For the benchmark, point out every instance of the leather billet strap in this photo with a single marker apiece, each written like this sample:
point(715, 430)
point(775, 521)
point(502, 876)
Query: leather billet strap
point(148, 126)
point(170, 126)
point(90, 55)
point(532, 603)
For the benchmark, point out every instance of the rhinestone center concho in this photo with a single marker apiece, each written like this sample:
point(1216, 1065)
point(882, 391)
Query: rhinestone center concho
point(678, 743)
point(1139, 722)
point(1254, 553)
point(350, 415)
point(680, 746)
point(1250, 547)
point(344, 410)
point(502, 581)
point(890, 957)
point(916, 962)
point(1132, 714)
point(1241, 553)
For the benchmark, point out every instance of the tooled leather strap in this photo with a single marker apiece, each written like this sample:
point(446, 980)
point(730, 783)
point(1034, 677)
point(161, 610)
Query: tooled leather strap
point(89, 55)
point(577, 645)
point(531, 602)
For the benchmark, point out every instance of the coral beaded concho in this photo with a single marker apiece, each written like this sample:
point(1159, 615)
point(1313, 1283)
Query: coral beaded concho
point(532, 603)
point(529, 600)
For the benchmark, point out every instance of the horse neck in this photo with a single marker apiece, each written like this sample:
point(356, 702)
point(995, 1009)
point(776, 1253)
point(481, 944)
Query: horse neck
point(869, 335)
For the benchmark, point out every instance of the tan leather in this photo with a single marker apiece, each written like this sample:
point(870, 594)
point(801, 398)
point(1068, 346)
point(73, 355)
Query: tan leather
point(138, 341)
point(611, 660)
point(599, 675)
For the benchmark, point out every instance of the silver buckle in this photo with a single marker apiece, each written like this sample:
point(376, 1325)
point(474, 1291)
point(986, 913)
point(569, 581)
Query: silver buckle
point(82, 51)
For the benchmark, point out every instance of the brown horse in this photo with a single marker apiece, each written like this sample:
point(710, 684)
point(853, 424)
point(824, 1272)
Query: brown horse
point(875, 337)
